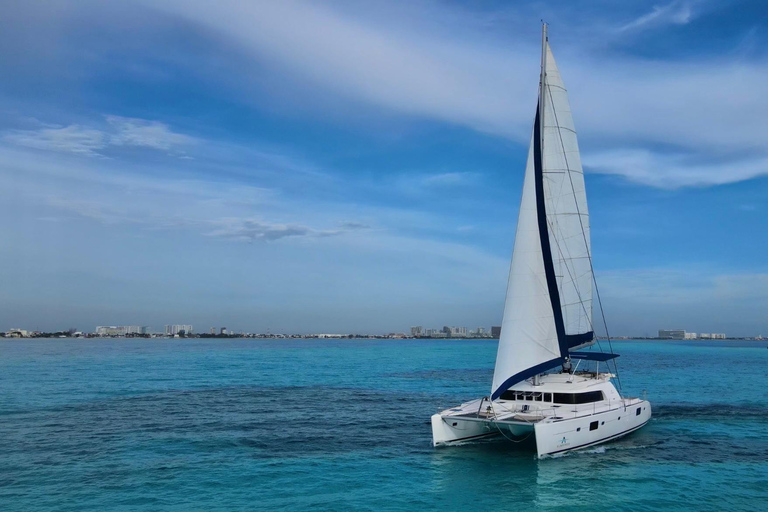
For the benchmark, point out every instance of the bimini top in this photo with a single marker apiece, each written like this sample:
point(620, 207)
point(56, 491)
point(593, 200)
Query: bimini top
point(593, 356)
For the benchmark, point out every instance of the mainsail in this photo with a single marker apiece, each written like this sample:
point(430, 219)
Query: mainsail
point(548, 308)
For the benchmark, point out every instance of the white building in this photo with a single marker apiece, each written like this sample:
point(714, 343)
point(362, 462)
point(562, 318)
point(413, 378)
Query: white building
point(417, 330)
point(173, 330)
point(120, 330)
point(672, 334)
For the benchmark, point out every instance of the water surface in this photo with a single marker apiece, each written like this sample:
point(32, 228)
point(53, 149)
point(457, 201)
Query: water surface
point(344, 424)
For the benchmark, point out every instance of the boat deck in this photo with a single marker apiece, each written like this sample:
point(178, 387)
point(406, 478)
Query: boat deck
point(514, 412)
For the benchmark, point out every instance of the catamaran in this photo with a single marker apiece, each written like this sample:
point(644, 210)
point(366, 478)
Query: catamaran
point(543, 384)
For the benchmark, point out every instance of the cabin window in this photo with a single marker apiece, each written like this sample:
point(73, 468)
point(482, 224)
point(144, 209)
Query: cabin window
point(537, 397)
point(593, 425)
point(547, 397)
point(508, 395)
point(638, 412)
point(528, 396)
point(518, 396)
point(578, 398)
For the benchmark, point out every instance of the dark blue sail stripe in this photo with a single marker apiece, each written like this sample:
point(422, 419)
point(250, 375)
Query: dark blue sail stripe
point(527, 374)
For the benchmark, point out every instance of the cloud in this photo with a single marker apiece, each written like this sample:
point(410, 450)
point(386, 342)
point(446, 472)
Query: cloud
point(372, 63)
point(92, 142)
point(354, 226)
point(71, 139)
point(418, 184)
point(677, 13)
point(259, 230)
point(434, 61)
point(449, 179)
point(144, 133)
point(467, 74)
point(112, 192)
point(248, 229)
point(674, 170)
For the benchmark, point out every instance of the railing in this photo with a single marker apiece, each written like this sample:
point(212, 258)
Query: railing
point(494, 411)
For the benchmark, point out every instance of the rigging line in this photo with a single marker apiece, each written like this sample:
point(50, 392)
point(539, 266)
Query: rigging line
point(589, 252)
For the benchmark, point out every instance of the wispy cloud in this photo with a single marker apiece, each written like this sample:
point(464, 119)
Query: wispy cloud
point(678, 12)
point(449, 179)
point(675, 170)
point(704, 107)
point(92, 141)
point(145, 133)
point(259, 230)
point(380, 64)
point(111, 193)
point(71, 139)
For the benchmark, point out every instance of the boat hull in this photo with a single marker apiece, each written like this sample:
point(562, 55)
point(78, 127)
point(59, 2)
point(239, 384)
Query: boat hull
point(557, 437)
point(452, 430)
point(554, 436)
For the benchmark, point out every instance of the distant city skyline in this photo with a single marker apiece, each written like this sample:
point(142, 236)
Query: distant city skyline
point(414, 331)
point(320, 167)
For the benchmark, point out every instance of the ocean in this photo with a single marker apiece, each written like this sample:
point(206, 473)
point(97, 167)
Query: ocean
point(248, 424)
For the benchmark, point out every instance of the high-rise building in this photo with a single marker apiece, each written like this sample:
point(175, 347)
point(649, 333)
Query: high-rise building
point(173, 330)
point(417, 330)
point(495, 331)
point(672, 334)
point(121, 330)
point(223, 330)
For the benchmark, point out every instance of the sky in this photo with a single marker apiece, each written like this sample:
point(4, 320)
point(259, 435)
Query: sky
point(356, 167)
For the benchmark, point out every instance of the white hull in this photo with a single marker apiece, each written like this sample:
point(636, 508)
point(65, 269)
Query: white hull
point(558, 428)
point(553, 438)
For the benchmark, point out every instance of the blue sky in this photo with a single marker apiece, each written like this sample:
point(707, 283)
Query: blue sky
point(356, 167)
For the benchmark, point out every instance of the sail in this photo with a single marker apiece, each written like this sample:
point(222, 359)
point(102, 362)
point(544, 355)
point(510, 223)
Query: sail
point(567, 216)
point(548, 307)
point(528, 343)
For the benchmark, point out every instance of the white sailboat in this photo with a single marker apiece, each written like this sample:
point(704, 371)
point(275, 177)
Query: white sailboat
point(548, 309)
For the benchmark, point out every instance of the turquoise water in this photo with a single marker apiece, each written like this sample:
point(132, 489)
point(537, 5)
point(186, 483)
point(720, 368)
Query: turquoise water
point(341, 425)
